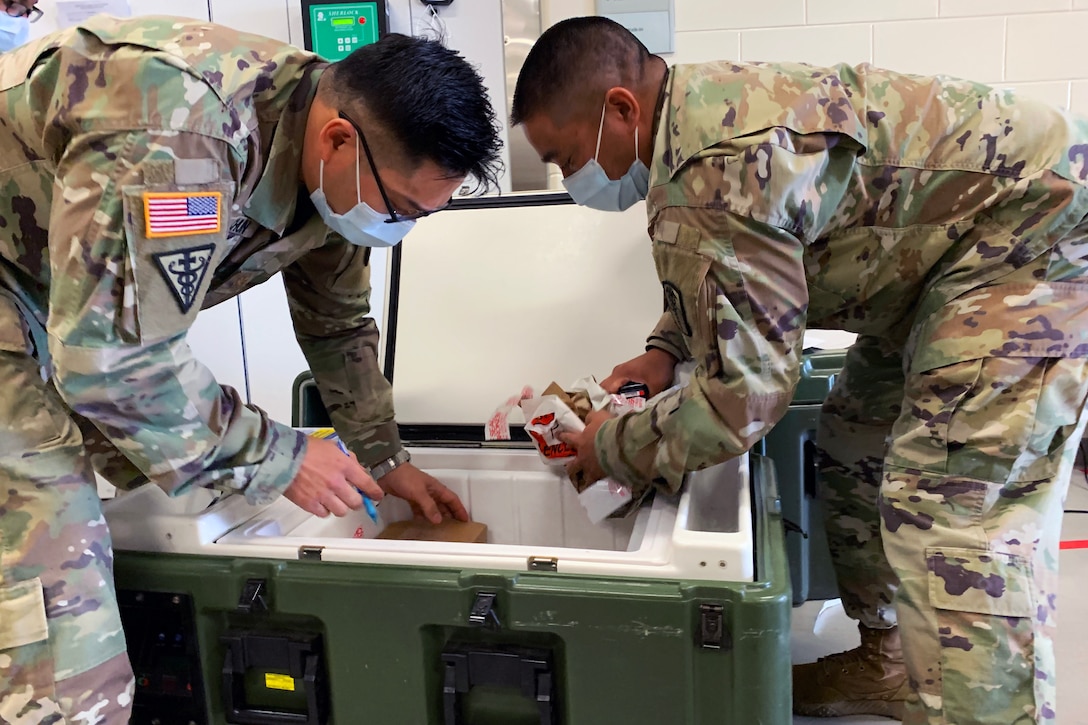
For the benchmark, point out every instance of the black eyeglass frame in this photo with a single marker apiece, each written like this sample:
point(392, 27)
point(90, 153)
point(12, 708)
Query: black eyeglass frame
point(394, 216)
point(32, 15)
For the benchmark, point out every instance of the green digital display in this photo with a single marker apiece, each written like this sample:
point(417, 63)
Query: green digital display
point(336, 29)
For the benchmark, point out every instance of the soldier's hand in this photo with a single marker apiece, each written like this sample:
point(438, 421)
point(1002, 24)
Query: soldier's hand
point(327, 481)
point(428, 497)
point(655, 368)
point(585, 469)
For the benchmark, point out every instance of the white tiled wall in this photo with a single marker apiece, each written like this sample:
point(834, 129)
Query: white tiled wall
point(864, 11)
point(1033, 46)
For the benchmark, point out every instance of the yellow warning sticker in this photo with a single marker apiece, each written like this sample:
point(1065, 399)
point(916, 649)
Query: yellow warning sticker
point(274, 681)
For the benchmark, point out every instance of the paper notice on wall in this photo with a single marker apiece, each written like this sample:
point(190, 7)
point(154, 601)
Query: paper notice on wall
point(71, 12)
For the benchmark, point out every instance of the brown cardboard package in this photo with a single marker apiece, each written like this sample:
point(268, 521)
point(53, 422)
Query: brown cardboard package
point(470, 532)
point(578, 401)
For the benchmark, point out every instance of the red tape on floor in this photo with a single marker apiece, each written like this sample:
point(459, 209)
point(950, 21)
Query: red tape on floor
point(1075, 544)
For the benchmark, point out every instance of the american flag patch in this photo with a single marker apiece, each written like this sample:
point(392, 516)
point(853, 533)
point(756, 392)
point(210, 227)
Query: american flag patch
point(175, 214)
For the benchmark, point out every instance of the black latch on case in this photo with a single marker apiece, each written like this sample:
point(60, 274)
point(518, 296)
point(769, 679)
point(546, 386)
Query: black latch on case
point(712, 633)
point(253, 597)
point(483, 612)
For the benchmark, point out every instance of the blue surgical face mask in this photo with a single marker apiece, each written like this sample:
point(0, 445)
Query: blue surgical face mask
point(13, 32)
point(360, 225)
point(591, 187)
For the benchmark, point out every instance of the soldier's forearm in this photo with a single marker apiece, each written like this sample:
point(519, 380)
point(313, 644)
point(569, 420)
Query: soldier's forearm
point(705, 423)
point(340, 343)
point(165, 412)
point(357, 396)
point(667, 336)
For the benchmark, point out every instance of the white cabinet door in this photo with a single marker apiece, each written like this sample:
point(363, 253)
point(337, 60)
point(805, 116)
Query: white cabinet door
point(183, 8)
point(263, 17)
point(272, 353)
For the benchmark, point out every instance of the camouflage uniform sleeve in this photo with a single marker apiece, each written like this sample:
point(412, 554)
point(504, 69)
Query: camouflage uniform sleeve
point(667, 336)
point(118, 315)
point(743, 311)
point(729, 238)
point(328, 290)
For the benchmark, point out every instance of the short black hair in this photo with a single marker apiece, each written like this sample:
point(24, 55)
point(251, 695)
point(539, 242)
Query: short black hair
point(428, 99)
point(575, 61)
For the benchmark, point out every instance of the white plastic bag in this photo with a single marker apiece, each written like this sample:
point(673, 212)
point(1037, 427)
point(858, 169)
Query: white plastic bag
point(548, 416)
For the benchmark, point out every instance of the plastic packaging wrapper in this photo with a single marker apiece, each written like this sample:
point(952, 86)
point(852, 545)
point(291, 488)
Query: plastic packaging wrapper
point(563, 410)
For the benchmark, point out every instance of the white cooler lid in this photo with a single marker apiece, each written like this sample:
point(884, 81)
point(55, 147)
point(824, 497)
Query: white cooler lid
point(512, 292)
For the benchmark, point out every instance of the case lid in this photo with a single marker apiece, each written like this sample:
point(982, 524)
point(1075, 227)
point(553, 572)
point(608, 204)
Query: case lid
point(499, 293)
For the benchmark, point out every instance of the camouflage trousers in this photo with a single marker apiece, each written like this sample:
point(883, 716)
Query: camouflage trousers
point(62, 649)
point(943, 491)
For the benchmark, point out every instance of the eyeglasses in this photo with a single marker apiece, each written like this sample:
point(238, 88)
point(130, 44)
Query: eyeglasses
point(18, 10)
point(394, 216)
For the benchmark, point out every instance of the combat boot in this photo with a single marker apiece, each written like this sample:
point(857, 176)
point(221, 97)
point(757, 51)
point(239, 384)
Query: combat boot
point(869, 680)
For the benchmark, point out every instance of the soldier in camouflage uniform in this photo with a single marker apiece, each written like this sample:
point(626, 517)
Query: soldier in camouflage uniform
point(943, 222)
point(150, 168)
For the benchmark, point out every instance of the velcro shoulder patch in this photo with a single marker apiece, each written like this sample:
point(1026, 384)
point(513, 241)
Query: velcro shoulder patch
point(176, 239)
point(182, 213)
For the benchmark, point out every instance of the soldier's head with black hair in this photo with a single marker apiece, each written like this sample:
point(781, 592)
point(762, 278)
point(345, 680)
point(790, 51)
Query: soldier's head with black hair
point(412, 116)
point(586, 79)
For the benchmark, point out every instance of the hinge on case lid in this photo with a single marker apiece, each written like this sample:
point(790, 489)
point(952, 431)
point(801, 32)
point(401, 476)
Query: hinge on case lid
point(310, 553)
point(543, 563)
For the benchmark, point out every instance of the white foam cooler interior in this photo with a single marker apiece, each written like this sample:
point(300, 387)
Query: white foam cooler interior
point(530, 511)
point(529, 508)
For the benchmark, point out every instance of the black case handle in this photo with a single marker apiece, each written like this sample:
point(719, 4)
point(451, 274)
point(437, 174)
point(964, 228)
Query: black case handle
point(301, 657)
point(527, 670)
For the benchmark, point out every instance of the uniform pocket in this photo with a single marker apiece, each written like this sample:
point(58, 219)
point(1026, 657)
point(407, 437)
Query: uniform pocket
point(986, 630)
point(14, 332)
point(26, 658)
point(22, 614)
point(1000, 419)
point(980, 581)
point(683, 280)
point(35, 419)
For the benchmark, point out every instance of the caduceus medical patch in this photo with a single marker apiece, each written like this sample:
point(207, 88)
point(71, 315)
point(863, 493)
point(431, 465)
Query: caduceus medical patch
point(184, 272)
point(179, 214)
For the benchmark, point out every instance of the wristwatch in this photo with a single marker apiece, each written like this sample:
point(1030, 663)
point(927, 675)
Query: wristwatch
point(390, 464)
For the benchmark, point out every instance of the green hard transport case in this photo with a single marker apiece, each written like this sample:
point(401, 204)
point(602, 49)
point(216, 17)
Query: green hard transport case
point(238, 639)
point(792, 446)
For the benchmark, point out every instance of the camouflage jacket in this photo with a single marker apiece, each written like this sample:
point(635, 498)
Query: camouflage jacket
point(149, 168)
point(784, 195)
